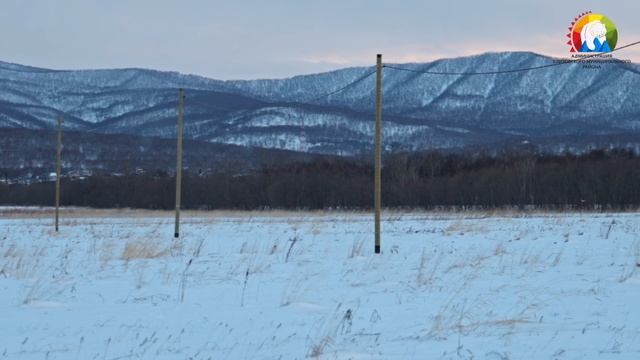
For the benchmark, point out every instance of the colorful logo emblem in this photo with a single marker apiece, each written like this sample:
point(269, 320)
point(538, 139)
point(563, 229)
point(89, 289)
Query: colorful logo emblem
point(592, 33)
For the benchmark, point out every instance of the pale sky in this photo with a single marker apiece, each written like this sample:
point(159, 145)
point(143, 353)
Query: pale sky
point(246, 39)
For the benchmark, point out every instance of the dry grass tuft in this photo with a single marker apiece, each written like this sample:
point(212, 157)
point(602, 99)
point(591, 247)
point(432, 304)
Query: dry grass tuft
point(143, 249)
point(356, 249)
point(318, 349)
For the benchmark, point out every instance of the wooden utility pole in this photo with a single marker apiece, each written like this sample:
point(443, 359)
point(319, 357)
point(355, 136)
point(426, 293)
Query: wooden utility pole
point(378, 151)
point(179, 160)
point(58, 153)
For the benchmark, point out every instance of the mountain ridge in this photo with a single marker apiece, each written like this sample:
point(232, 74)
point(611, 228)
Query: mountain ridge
point(420, 111)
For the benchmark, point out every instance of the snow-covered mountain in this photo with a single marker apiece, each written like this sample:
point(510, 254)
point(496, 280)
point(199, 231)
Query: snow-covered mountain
point(420, 111)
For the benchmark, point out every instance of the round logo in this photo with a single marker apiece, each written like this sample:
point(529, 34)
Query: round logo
point(592, 33)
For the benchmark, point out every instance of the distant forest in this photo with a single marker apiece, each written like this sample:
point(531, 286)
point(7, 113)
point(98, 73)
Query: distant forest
point(600, 179)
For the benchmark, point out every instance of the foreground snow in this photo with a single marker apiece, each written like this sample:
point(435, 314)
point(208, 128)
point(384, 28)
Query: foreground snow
point(292, 286)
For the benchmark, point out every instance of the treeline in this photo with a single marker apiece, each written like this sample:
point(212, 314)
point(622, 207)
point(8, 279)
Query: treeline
point(608, 179)
point(28, 155)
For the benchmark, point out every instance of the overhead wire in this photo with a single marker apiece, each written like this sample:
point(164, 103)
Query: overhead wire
point(361, 78)
point(508, 71)
point(470, 73)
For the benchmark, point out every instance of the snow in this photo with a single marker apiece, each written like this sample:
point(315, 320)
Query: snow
point(275, 285)
point(143, 102)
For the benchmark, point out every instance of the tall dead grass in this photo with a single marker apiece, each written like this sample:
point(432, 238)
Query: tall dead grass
point(143, 249)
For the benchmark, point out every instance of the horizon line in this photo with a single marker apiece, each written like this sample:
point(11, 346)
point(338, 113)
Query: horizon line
point(339, 68)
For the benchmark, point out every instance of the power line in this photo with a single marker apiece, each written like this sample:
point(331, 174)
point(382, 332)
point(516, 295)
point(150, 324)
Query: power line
point(429, 72)
point(344, 87)
point(394, 67)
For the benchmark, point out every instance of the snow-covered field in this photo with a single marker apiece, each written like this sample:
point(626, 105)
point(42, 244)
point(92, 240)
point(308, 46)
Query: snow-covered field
point(293, 286)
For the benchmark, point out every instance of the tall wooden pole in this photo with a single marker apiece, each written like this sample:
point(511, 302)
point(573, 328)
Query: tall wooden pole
point(179, 160)
point(378, 151)
point(58, 166)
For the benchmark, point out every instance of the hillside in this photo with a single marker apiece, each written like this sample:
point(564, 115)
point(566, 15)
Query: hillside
point(420, 111)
